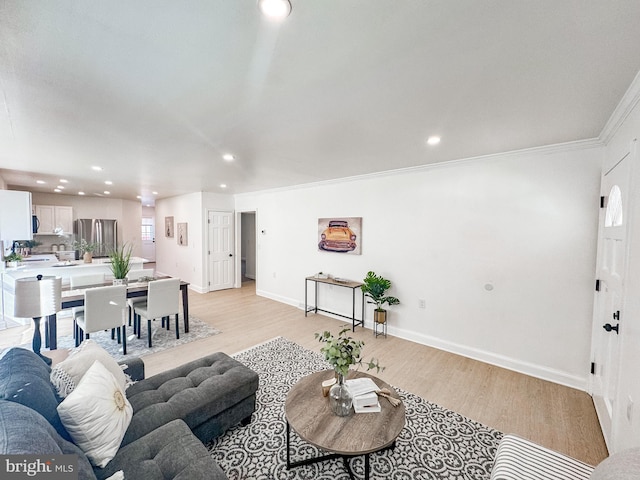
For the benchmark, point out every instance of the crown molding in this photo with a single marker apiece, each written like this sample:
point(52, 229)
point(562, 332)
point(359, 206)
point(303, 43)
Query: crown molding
point(628, 102)
point(544, 150)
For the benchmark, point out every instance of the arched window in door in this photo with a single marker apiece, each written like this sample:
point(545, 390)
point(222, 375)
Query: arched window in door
point(613, 215)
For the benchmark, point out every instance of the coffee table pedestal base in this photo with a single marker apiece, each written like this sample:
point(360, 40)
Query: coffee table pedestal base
point(330, 456)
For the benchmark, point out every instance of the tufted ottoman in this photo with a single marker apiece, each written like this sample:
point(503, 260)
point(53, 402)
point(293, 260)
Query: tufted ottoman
point(210, 394)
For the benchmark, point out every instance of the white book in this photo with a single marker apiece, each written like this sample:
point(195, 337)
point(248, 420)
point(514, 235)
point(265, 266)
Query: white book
point(366, 400)
point(368, 409)
point(360, 386)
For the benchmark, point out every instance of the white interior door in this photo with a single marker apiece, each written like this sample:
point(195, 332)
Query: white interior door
point(148, 236)
point(220, 250)
point(608, 322)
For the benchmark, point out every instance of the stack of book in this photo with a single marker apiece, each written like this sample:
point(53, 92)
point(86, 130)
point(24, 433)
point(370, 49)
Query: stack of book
point(365, 399)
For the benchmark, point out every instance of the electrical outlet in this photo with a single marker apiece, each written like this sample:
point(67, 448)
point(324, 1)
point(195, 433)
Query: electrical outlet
point(274, 274)
point(422, 303)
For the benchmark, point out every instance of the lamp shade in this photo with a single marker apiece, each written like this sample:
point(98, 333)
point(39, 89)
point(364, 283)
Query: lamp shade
point(37, 296)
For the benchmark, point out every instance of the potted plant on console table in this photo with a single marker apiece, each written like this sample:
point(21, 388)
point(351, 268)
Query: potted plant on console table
point(120, 263)
point(374, 287)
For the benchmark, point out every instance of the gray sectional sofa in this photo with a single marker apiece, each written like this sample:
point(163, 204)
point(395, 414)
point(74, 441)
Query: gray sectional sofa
point(174, 413)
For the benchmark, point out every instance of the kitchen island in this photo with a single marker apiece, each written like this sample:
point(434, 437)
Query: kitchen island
point(49, 265)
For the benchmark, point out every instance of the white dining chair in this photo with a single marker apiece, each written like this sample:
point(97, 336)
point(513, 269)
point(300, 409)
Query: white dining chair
point(162, 302)
point(79, 281)
point(134, 276)
point(104, 310)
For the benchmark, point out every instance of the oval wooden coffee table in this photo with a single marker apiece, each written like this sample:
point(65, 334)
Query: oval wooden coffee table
point(308, 412)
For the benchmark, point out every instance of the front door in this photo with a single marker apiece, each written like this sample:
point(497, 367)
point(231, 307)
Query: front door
point(608, 320)
point(220, 250)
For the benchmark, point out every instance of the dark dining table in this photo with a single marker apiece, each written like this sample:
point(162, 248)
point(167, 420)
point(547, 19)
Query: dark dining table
point(75, 298)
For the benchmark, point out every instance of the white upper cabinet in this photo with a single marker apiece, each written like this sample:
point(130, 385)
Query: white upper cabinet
point(54, 219)
point(15, 215)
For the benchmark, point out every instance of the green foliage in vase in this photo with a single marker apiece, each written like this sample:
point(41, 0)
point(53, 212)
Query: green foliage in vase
point(13, 257)
point(121, 261)
point(343, 351)
point(83, 246)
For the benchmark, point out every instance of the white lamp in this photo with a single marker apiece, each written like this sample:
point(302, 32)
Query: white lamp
point(37, 297)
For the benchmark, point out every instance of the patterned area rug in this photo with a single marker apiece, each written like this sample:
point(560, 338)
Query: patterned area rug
point(435, 444)
point(137, 347)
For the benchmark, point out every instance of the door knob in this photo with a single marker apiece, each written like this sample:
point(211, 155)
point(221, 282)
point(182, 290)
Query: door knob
point(608, 327)
point(231, 254)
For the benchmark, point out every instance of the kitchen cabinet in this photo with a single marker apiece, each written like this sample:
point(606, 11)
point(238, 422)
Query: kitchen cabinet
point(15, 215)
point(54, 219)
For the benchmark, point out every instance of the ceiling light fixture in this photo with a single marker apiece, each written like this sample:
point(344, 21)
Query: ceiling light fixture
point(80, 193)
point(96, 168)
point(434, 140)
point(60, 187)
point(275, 9)
point(57, 190)
point(228, 157)
point(223, 185)
point(155, 193)
point(108, 182)
point(107, 192)
point(40, 182)
point(62, 180)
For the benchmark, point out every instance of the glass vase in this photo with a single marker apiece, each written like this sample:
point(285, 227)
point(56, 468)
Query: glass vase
point(340, 398)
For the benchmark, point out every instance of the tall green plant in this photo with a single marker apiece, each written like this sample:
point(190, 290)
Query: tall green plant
point(374, 286)
point(121, 261)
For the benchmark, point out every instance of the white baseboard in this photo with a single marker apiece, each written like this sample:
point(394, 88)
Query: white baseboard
point(537, 371)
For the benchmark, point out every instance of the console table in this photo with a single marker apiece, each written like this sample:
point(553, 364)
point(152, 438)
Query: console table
point(331, 281)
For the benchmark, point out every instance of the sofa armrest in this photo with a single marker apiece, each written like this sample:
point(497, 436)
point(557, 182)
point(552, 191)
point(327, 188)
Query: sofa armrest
point(134, 367)
point(518, 458)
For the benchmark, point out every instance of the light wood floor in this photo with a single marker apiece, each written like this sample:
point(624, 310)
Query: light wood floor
point(557, 417)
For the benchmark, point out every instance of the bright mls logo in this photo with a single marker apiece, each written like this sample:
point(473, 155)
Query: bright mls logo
point(50, 467)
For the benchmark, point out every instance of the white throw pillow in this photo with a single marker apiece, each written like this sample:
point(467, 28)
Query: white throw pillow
point(66, 375)
point(97, 414)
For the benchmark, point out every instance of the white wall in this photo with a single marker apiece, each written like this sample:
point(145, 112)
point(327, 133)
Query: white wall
point(524, 225)
point(187, 262)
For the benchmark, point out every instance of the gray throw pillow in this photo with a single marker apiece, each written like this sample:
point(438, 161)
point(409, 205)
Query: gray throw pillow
point(624, 465)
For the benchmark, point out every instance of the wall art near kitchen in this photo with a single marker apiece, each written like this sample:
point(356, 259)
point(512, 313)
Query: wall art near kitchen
point(182, 234)
point(342, 235)
point(168, 227)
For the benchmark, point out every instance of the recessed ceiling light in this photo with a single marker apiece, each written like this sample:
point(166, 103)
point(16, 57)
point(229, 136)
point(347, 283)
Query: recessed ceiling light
point(275, 9)
point(228, 157)
point(155, 193)
point(96, 168)
point(60, 187)
point(62, 180)
point(138, 197)
point(80, 193)
point(107, 192)
point(40, 182)
point(108, 182)
point(223, 185)
point(433, 140)
point(57, 190)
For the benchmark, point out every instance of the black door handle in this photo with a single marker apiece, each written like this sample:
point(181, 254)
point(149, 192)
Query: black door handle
point(231, 254)
point(608, 327)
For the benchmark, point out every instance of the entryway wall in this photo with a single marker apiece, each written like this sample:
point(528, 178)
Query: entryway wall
point(248, 245)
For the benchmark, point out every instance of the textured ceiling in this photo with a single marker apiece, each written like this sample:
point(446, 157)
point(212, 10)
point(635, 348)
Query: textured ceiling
point(156, 91)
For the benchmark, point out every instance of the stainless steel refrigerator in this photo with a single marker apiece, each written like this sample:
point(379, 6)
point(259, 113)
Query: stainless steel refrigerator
point(100, 231)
